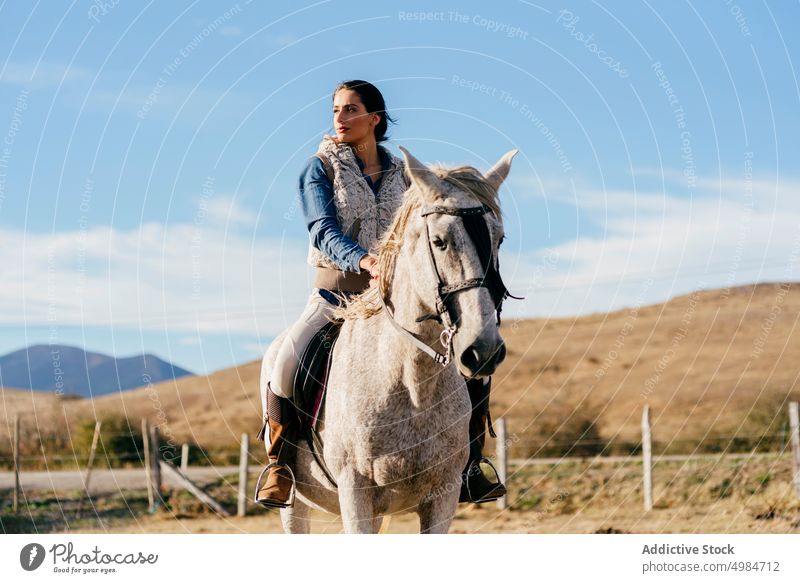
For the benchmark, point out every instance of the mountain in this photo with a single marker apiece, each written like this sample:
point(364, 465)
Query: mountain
point(74, 371)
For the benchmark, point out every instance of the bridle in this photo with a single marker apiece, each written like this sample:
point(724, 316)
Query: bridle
point(476, 228)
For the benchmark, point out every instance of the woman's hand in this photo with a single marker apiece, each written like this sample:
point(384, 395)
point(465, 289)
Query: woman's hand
point(370, 263)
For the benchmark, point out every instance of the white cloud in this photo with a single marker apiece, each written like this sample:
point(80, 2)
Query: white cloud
point(230, 31)
point(729, 233)
point(226, 210)
point(166, 97)
point(254, 349)
point(42, 74)
point(195, 279)
point(179, 277)
point(281, 40)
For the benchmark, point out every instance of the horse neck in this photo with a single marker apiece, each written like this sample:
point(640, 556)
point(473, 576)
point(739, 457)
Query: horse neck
point(420, 373)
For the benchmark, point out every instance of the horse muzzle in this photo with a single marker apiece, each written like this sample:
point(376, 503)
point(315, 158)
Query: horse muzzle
point(481, 359)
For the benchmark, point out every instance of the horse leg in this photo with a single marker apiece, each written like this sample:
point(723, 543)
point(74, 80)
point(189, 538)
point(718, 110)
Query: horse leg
point(355, 502)
point(436, 512)
point(295, 519)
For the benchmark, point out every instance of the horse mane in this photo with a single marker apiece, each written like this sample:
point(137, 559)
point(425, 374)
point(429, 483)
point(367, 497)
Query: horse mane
point(464, 178)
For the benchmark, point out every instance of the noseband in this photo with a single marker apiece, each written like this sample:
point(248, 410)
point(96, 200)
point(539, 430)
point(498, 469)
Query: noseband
point(478, 231)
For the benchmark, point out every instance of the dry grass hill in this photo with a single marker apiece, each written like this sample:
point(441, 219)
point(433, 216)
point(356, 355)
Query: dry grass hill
point(715, 366)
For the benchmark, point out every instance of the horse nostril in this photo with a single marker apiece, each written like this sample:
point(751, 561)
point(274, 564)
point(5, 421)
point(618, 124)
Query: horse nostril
point(500, 355)
point(471, 358)
point(476, 360)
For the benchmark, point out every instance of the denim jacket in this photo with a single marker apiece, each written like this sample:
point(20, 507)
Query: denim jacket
point(319, 209)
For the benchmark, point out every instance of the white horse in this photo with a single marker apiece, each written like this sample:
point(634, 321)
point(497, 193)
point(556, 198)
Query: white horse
point(396, 421)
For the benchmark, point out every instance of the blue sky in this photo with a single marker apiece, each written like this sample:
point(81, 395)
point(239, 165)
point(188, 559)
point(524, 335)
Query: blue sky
point(149, 154)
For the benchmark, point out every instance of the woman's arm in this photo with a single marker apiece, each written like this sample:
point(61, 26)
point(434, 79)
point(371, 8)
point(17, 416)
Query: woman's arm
point(316, 198)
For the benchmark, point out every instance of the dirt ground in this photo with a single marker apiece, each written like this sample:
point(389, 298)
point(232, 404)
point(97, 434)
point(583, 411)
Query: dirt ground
point(710, 495)
point(489, 520)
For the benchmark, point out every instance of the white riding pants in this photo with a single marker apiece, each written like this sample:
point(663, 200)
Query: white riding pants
point(317, 313)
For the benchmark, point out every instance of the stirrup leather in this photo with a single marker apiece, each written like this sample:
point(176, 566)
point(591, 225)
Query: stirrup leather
point(495, 483)
point(269, 503)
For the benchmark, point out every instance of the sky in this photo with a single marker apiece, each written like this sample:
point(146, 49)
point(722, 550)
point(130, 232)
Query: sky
point(150, 154)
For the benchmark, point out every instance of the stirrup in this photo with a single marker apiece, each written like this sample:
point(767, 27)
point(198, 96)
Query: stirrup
point(269, 503)
point(497, 482)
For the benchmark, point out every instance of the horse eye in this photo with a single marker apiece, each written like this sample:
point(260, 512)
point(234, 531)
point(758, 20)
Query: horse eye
point(439, 243)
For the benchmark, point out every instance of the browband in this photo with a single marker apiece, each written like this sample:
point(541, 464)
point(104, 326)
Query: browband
point(455, 211)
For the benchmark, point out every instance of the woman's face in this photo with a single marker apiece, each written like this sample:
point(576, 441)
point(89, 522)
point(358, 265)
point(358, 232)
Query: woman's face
point(351, 120)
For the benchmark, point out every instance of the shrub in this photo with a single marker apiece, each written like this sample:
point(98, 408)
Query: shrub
point(561, 429)
point(120, 440)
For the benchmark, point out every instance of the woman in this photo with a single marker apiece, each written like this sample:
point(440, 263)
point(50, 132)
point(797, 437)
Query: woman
point(349, 193)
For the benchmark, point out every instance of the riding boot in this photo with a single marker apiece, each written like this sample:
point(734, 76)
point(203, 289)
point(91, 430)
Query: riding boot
point(475, 486)
point(276, 491)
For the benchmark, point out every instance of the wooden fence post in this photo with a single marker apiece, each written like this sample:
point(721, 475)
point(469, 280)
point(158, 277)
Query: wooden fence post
point(148, 464)
point(89, 464)
point(184, 457)
point(179, 477)
point(794, 424)
point(15, 450)
point(501, 451)
point(244, 455)
point(647, 459)
point(155, 457)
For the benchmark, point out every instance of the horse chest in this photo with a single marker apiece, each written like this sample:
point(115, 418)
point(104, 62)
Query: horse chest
point(398, 438)
point(416, 446)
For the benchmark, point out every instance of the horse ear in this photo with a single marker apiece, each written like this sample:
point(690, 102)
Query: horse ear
point(421, 174)
point(498, 173)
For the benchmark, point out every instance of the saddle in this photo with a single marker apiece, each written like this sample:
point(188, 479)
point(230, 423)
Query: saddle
point(310, 382)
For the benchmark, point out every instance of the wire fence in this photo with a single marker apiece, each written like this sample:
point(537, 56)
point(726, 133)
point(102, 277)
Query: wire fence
point(120, 448)
point(634, 472)
point(125, 447)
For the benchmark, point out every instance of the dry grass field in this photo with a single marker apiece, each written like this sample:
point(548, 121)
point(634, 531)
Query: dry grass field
point(717, 368)
point(712, 365)
point(722, 495)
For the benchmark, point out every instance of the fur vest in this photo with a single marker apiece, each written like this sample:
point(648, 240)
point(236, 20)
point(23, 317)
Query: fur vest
point(363, 216)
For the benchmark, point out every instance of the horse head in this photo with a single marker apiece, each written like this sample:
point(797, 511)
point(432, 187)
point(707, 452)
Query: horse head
point(452, 238)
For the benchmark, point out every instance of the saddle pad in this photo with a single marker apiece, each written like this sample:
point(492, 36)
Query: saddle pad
point(312, 375)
